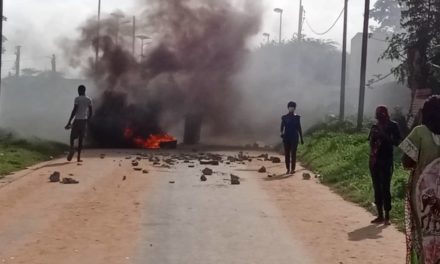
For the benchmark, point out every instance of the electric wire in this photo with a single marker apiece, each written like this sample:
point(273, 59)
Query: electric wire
point(328, 30)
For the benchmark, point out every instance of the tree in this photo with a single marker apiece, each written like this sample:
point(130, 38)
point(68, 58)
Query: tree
point(387, 13)
point(417, 46)
point(4, 39)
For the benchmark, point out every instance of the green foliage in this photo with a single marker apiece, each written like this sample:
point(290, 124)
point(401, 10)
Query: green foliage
point(417, 47)
point(17, 154)
point(320, 57)
point(387, 14)
point(342, 161)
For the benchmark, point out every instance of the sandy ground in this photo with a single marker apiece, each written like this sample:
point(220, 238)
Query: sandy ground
point(170, 216)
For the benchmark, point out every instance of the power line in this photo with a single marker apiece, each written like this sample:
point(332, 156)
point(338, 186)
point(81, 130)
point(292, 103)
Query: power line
point(328, 30)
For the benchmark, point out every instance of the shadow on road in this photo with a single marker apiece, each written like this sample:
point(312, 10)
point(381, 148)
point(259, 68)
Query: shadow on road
point(278, 177)
point(368, 232)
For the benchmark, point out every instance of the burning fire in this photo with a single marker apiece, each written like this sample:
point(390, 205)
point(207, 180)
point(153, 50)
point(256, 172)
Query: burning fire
point(152, 142)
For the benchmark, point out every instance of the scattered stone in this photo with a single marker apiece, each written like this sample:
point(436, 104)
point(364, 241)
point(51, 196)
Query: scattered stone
point(264, 156)
point(139, 158)
point(135, 163)
point(128, 157)
point(166, 166)
point(228, 163)
point(156, 163)
point(232, 159)
point(191, 166)
point(270, 176)
point(275, 160)
point(124, 178)
point(235, 180)
point(306, 176)
point(203, 178)
point(262, 170)
point(102, 156)
point(172, 182)
point(69, 181)
point(209, 162)
point(137, 169)
point(55, 177)
point(145, 171)
point(207, 171)
point(186, 161)
point(169, 161)
point(205, 162)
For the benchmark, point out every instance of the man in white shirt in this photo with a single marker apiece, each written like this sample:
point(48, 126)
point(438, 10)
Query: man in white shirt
point(82, 112)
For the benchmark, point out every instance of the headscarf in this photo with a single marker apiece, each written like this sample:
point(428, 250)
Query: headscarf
point(431, 114)
point(382, 114)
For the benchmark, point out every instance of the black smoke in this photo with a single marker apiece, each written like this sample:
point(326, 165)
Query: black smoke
point(196, 49)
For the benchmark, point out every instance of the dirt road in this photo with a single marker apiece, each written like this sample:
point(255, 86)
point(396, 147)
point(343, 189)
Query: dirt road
point(118, 215)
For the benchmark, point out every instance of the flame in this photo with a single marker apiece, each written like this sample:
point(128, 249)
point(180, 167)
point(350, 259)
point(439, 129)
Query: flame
point(152, 142)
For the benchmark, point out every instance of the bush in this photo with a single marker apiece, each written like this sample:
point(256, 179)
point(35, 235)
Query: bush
point(17, 153)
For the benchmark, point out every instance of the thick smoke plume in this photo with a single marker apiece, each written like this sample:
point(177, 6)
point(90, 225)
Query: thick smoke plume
point(197, 46)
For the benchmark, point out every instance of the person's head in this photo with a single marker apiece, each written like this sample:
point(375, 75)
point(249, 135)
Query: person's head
point(291, 106)
point(431, 114)
point(382, 114)
point(81, 90)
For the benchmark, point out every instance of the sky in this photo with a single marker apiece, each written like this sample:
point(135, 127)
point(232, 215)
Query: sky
point(38, 25)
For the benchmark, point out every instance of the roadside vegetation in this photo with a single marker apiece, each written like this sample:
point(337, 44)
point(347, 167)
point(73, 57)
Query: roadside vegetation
point(17, 154)
point(340, 155)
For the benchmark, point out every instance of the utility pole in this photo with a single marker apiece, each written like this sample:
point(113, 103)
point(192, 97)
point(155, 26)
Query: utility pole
point(134, 35)
point(98, 36)
point(360, 119)
point(17, 61)
point(344, 64)
point(1, 36)
point(54, 63)
point(280, 11)
point(300, 21)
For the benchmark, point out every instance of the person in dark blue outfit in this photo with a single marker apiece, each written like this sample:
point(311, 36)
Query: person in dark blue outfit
point(291, 133)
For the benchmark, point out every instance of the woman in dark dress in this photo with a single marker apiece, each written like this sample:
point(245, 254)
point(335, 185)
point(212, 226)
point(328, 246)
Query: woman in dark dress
point(384, 135)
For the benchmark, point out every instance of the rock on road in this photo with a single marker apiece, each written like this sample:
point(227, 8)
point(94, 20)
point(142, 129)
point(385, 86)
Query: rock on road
point(163, 213)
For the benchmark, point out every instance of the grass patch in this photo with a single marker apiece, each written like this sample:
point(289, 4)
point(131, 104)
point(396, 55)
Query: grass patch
point(17, 154)
point(341, 158)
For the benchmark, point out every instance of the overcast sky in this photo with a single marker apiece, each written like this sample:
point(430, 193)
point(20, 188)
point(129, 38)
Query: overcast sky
point(38, 24)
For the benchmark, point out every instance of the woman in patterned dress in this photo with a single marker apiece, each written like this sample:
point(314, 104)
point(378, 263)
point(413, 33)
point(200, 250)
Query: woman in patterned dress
point(422, 156)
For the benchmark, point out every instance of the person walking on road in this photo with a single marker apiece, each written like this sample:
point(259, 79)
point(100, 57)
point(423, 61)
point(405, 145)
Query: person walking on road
point(422, 157)
point(82, 112)
point(291, 133)
point(384, 135)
